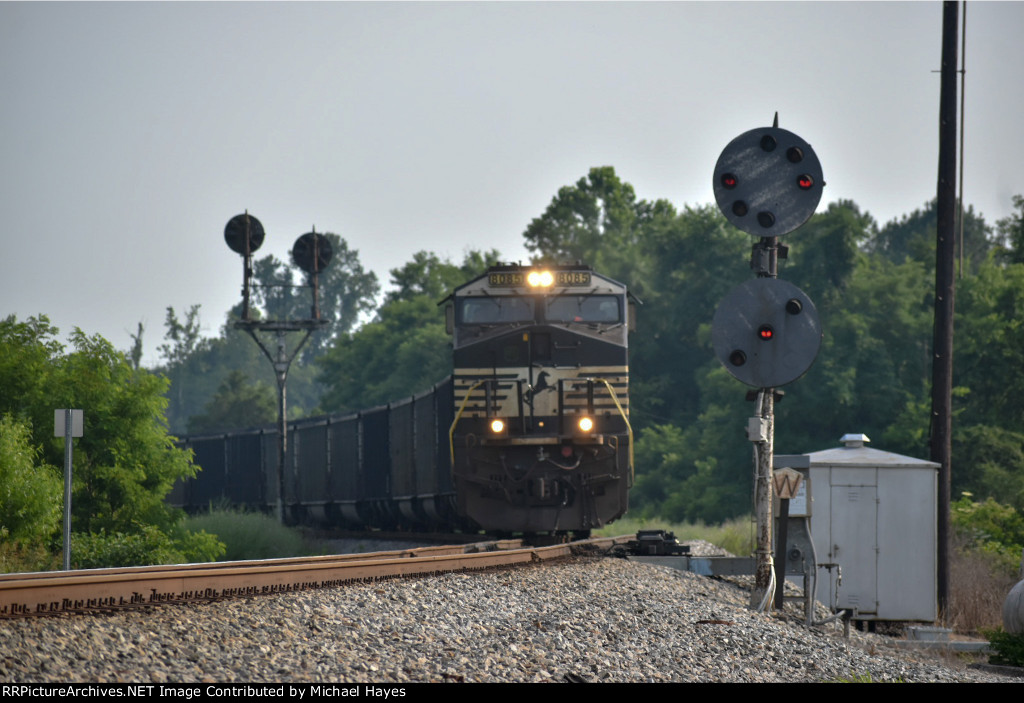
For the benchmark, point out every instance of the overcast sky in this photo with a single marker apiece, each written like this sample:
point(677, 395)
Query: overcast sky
point(130, 133)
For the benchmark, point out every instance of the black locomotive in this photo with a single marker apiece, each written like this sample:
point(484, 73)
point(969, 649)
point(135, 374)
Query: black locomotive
point(530, 433)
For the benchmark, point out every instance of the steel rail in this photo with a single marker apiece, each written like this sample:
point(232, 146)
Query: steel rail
point(45, 593)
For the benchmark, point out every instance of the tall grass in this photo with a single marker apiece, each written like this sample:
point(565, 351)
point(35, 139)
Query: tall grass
point(250, 535)
point(735, 536)
point(979, 582)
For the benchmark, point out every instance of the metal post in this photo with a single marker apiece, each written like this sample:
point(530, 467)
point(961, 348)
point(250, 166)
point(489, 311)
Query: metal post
point(780, 553)
point(281, 369)
point(282, 362)
point(67, 489)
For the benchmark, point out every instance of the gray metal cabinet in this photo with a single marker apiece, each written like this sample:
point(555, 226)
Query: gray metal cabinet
point(874, 514)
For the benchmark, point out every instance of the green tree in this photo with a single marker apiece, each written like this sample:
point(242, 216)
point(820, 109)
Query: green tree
point(346, 292)
point(125, 463)
point(198, 366)
point(30, 492)
point(600, 222)
point(695, 258)
point(989, 346)
point(182, 341)
point(196, 376)
point(913, 237)
point(135, 353)
point(405, 349)
point(238, 403)
point(434, 278)
point(1010, 231)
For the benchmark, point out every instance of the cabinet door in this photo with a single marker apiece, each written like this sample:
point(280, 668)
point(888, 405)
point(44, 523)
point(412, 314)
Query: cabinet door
point(854, 546)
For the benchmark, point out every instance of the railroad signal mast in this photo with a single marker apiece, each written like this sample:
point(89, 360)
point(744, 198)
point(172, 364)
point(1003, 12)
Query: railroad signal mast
point(766, 331)
point(312, 253)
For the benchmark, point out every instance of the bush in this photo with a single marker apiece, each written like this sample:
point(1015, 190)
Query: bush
point(20, 557)
point(985, 558)
point(250, 535)
point(96, 550)
point(1009, 648)
point(30, 493)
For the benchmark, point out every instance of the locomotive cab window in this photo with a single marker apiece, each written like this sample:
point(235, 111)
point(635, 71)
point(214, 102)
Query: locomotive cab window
point(495, 310)
point(583, 308)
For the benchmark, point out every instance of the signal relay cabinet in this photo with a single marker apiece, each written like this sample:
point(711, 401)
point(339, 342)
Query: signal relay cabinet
point(874, 514)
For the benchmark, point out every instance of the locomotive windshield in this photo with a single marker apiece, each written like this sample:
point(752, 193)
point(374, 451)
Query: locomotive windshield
point(583, 308)
point(495, 310)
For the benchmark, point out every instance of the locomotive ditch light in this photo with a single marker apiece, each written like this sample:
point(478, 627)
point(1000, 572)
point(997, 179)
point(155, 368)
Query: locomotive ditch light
point(586, 424)
point(540, 279)
point(497, 425)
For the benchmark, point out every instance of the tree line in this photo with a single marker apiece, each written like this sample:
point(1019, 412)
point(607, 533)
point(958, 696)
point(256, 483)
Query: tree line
point(872, 285)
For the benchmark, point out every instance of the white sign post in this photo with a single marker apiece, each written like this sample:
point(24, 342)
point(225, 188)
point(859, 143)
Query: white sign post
point(67, 424)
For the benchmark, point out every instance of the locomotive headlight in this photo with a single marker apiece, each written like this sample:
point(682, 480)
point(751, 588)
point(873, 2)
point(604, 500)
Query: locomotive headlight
point(540, 279)
point(497, 426)
point(585, 424)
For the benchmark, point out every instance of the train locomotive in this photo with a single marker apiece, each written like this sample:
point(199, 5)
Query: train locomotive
point(541, 440)
point(530, 434)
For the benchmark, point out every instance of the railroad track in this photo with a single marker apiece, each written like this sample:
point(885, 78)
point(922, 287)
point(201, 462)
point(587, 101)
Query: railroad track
point(47, 593)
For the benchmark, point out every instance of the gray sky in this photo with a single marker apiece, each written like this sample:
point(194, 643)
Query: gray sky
point(130, 133)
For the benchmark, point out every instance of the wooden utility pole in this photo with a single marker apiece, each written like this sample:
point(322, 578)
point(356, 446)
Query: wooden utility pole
point(945, 290)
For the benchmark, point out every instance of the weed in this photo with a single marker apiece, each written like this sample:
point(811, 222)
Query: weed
point(249, 535)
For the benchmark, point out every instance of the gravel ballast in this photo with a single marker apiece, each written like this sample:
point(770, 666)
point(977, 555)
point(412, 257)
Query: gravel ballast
point(589, 618)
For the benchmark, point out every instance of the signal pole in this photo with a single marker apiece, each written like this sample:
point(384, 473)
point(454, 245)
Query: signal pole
point(311, 252)
point(766, 333)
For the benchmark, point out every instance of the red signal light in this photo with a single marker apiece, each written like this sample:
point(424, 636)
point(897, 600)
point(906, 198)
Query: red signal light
point(804, 182)
point(729, 180)
point(765, 332)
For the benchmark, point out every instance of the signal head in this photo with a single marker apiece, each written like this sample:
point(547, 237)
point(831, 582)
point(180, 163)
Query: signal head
point(768, 181)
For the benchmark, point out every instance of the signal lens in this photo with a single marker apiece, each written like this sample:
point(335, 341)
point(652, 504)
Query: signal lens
point(729, 180)
point(766, 332)
point(805, 182)
point(497, 426)
point(586, 424)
